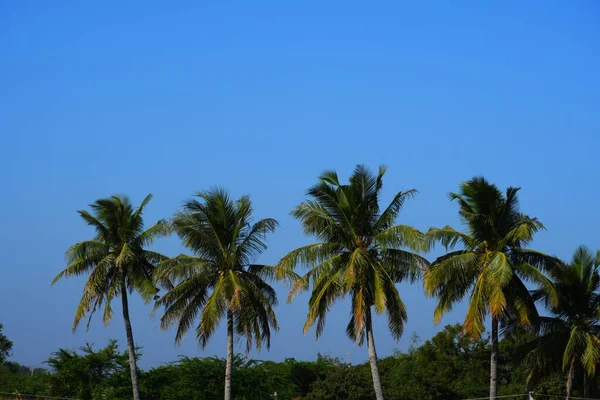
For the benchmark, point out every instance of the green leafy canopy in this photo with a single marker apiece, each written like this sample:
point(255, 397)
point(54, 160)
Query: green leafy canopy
point(494, 264)
point(360, 251)
point(116, 258)
point(219, 277)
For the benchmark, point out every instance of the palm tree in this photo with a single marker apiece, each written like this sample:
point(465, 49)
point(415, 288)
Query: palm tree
point(493, 264)
point(569, 337)
point(358, 254)
point(116, 262)
point(219, 280)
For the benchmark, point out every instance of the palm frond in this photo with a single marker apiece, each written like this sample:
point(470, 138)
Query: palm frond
point(522, 232)
point(591, 354)
point(477, 309)
point(308, 255)
point(403, 236)
point(403, 265)
point(273, 273)
point(160, 229)
point(449, 237)
point(253, 243)
point(389, 215)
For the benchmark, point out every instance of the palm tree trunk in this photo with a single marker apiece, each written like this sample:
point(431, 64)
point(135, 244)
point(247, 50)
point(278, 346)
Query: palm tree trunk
point(585, 384)
point(494, 360)
point(570, 379)
point(130, 345)
point(373, 358)
point(229, 363)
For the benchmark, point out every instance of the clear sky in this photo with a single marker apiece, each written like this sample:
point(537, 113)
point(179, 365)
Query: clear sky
point(259, 97)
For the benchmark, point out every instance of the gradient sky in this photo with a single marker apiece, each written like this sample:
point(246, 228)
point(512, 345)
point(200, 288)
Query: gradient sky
point(259, 97)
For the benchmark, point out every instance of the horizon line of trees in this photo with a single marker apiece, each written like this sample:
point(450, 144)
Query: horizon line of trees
point(448, 366)
point(360, 252)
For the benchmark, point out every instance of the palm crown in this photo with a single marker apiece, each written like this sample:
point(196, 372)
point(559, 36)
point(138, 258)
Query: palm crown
point(359, 252)
point(494, 265)
point(570, 335)
point(116, 259)
point(219, 279)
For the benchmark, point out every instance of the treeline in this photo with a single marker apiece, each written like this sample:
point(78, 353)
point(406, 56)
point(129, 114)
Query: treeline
point(449, 366)
point(360, 252)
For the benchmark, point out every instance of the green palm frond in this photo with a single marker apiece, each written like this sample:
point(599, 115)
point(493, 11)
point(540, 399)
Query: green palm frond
point(252, 243)
point(575, 346)
point(403, 236)
point(273, 273)
point(449, 278)
point(498, 274)
point(213, 311)
point(477, 308)
point(180, 268)
point(308, 256)
point(521, 311)
point(396, 310)
point(521, 232)
point(591, 355)
point(160, 229)
point(125, 256)
point(529, 273)
point(390, 214)
point(450, 237)
point(303, 282)
point(540, 261)
point(95, 289)
point(403, 265)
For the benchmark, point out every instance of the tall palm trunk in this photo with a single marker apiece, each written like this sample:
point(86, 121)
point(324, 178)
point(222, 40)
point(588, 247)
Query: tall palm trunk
point(229, 363)
point(585, 384)
point(373, 358)
point(494, 360)
point(130, 345)
point(570, 379)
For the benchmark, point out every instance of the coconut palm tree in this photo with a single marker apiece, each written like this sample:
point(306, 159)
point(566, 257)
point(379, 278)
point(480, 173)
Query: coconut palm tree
point(569, 337)
point(493, 264)
point(220, 280)
point(359, 254)
point(116, 262)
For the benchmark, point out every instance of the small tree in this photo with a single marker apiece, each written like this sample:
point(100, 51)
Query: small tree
point(5, 346)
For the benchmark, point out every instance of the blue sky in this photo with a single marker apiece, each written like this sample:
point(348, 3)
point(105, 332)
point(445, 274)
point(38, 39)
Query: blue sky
point(259, 97)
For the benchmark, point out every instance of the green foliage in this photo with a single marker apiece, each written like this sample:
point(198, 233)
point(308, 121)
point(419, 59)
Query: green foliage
point(5, 346)
point(493, 265)
point(449, 366)
point(116, 260)
point(90, 374)
point(359, 252)
point(188, 378)
point(569, 337)
point(220, 277)
point(344, 382)
point(203, 379)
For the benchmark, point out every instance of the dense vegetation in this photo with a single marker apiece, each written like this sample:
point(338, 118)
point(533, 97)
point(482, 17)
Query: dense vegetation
point(449, 366)
point(360, 252)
